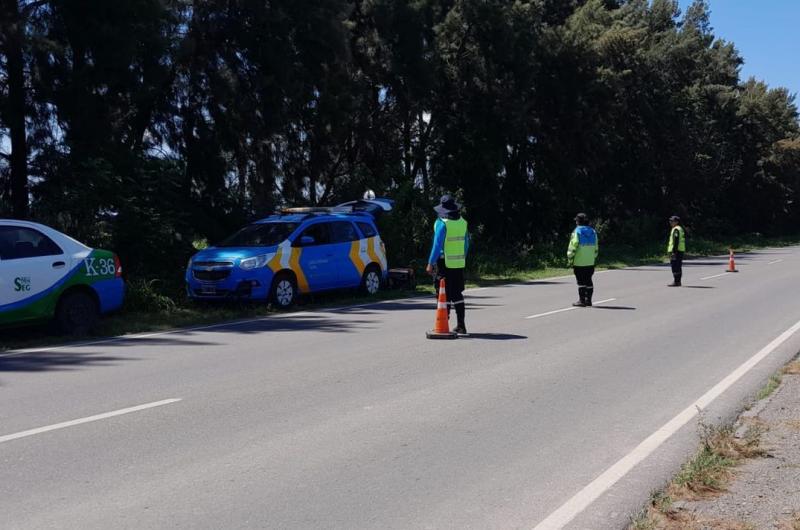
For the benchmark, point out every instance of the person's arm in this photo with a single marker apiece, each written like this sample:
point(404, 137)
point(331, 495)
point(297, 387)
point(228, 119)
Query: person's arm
point(467, 242)
point(572, 248)
point(596, 246)
point(439, 232)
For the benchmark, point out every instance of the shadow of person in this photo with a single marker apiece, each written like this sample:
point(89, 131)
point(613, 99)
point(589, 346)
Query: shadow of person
point(495, 336)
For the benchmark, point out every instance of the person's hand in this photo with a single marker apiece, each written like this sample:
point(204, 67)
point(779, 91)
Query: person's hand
point(429, 269)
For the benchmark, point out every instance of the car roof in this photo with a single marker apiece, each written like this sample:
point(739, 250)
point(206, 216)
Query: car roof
point(20, 222)
point(326, 216)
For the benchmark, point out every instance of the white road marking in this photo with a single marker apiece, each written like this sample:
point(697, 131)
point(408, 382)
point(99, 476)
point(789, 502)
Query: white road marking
point(581, 500)
point(80, 421)
point(774, 262)
point(715, 276)
point(566, 309)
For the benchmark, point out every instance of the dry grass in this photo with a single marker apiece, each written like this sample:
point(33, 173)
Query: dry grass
point(793, 368)
point(792, 424)
point(792, 524)
point(654, 519)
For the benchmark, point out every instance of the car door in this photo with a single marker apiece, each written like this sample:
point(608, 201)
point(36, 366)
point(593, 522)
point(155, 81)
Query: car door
point(30, 264)
point(316, 256)
point(343, 234)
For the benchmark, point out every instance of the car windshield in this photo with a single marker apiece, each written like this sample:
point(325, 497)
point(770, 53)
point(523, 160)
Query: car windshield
point(260, 235)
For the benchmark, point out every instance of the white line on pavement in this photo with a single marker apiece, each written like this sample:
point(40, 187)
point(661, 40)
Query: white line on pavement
point(581, 500)
point(774, 262)
point(80, 421)
point(715, 276)
point(566, 309)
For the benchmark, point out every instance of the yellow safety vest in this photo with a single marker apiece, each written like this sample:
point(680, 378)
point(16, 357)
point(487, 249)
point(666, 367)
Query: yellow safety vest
point(455, 243)
point(681, 240)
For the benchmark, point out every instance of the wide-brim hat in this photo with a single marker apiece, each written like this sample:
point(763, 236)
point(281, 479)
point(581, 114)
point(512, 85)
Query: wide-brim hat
point(447, 205)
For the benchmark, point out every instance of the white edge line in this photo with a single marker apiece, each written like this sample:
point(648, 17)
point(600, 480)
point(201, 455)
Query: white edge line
point(774, 262)
point(565, 309)
point(88, 419)
point(581, 500)
point(715, 276)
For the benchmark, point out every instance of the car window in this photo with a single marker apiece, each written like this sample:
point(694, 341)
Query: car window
point(319, 231)
point(343, 232)
point(260, 235)
point(367, 229)
point(17, 242)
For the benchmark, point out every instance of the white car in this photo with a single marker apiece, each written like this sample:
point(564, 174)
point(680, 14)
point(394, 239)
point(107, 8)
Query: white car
point(47, 275)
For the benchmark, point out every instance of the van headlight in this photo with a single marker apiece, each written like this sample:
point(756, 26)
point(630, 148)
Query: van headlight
point(254, 263)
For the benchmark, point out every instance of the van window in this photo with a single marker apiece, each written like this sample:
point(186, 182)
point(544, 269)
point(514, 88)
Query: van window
point(343, 232)
point(319, 231)
point(367, 229)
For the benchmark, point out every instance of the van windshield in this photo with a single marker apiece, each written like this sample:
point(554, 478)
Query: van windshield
point(260, 235)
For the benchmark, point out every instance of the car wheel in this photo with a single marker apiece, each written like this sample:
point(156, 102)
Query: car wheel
point(77, 313)
point(284, 290)
point(371, 280)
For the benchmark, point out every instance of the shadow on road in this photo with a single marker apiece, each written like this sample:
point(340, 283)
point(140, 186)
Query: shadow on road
point(39, 362)
point(615, 307)
point(699, 287)
point(495, 336)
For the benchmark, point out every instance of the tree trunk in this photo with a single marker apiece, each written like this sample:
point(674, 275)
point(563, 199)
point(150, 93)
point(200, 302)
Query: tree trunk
point(16, 109)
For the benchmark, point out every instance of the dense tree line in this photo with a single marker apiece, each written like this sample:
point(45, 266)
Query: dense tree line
point(145, 125)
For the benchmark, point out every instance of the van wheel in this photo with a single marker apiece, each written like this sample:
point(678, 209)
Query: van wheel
point(77, 313)
point(284, 290)
point(371, 280)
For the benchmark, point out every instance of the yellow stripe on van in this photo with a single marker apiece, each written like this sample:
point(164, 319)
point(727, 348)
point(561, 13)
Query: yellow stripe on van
point(355, 256)
point(294, 264)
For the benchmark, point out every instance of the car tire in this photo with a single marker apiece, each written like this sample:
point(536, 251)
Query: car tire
point(371, 280)
point(77, 313)
point(283, 292)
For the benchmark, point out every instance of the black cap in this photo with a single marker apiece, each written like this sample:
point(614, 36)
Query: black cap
point(582, 218)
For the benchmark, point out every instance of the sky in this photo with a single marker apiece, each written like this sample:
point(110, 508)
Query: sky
point(767, 35)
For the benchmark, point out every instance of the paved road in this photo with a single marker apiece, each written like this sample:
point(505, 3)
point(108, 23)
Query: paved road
point(350, 418)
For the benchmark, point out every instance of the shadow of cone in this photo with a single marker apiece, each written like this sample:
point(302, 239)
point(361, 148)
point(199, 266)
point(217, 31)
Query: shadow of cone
point(731, 263)
point(441, 328)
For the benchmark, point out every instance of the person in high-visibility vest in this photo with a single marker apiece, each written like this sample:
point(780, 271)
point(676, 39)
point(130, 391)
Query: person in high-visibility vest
point(582, 254)
point(448, 256)
point(676, 246)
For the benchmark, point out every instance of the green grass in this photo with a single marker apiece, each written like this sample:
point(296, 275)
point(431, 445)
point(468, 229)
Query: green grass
point(152, 306)
point(772, 384)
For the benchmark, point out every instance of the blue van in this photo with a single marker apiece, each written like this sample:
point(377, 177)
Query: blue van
point(298, 251)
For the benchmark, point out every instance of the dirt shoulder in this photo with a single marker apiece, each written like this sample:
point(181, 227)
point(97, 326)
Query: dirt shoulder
point(746, 476)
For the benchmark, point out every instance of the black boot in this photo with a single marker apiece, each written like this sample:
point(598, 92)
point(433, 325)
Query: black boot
point(676, 281)
point(581, 298)
point(588, 298)
point(461, 328)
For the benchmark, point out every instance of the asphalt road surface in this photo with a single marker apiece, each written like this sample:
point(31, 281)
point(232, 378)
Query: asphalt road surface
point(349, 418)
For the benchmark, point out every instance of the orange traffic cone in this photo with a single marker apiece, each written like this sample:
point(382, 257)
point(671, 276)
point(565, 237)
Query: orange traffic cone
point(441, 329)
point(731, 263)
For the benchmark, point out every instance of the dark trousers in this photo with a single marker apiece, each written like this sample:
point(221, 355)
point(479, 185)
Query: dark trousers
point(585, 284)
point(676, 262)
point(454, 285)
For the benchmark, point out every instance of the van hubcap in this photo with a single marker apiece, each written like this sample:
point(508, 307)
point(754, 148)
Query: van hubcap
point(373, 283)
point(285, 292)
